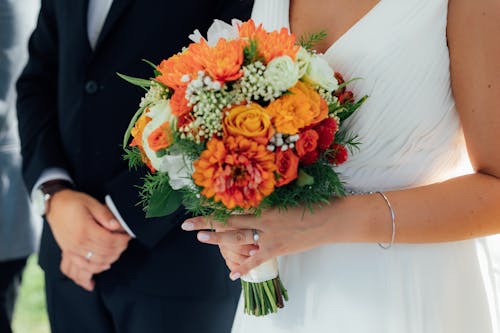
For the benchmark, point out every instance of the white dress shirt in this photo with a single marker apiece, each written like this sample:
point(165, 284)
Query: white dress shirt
point(96, 16)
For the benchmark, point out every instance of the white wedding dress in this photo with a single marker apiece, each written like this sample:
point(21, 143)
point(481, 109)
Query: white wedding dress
point(411, 136)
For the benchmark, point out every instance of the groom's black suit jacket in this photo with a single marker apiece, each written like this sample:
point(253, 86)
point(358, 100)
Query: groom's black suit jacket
point(73, 111)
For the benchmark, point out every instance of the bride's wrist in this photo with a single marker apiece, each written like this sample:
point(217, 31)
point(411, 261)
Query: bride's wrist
point(356, 219)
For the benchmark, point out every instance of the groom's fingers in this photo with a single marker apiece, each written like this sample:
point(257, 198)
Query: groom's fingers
point(79, 276)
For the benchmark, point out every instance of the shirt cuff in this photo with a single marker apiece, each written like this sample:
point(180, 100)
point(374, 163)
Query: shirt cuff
point(116, 213)
point(48, 175)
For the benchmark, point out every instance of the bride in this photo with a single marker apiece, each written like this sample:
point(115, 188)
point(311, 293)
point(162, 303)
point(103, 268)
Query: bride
point(432, 71)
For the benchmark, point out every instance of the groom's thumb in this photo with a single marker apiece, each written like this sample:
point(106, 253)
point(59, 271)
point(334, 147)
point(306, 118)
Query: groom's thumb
point(104, 217)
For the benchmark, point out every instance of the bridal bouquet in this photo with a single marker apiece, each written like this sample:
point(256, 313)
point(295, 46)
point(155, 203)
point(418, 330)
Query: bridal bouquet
point(241, 121)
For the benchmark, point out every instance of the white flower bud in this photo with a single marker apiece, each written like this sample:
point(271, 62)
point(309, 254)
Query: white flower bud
point(319, 73)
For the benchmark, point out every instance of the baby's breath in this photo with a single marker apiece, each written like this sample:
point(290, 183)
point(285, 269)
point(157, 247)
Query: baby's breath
point(253, 86)
point(155, 93)
point(209, 98)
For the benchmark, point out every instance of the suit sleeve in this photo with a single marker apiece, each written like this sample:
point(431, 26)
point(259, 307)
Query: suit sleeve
point(125, 195)
point(41, 146)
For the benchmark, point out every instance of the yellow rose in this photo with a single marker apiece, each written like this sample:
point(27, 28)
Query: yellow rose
point(251, 121)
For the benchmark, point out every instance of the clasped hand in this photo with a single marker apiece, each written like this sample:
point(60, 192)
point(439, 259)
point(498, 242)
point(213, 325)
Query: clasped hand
point(280, 233)
point(83, 225)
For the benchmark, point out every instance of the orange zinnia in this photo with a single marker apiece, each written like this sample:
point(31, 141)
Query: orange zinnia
point(302, 107)
point(238, 172)
point(223, 61)
point(270, 44)
point(176, 67)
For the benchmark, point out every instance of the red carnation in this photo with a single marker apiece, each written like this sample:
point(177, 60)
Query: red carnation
point(326, 130)
point(310, 158)
point(338, 154)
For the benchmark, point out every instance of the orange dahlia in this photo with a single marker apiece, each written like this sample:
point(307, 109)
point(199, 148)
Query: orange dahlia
point(223, 61)
point(174, 69)
point(178, 102)
point(302, 107)
point(270, 44)
point(238, 172)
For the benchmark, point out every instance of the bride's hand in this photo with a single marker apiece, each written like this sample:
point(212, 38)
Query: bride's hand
point(280, 233)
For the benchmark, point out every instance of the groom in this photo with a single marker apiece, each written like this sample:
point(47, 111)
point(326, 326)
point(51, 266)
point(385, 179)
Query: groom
point(107, 268)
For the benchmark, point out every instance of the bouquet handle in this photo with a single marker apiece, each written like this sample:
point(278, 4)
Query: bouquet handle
point(263, 290)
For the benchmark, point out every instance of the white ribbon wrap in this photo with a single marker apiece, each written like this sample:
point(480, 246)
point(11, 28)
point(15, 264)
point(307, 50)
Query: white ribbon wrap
point(265, 272)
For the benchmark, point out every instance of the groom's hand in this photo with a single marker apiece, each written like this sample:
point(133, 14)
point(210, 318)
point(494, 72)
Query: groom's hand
point(81, 226)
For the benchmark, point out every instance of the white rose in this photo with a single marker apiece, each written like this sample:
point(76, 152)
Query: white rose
point(319, 73)
point(302, 59)
point(179, 169)
point(219, 29)
point(159, 113)
point(282, 73)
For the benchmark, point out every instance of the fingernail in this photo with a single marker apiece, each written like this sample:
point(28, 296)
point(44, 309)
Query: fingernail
point(252, 253)
point(113, 222)
point(203, 236)
point(234, 276)
point(188, 226)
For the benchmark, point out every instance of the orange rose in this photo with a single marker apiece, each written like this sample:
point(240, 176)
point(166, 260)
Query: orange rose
point(138, 129)
point(251, 121)
point(287, 164)
point(237, 172)
point(161, 138)
point(308, 142)
point(302, 107)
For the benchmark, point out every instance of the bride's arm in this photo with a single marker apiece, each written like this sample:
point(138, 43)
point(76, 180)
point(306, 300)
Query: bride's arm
point(458, 209)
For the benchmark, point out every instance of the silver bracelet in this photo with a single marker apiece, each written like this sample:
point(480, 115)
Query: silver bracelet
point(393, 220)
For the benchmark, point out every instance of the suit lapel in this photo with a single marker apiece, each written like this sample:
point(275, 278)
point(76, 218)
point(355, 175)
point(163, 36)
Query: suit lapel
point(117, 9)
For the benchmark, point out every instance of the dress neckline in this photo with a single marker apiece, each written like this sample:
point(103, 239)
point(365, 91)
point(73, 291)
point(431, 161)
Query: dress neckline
point(349, 31)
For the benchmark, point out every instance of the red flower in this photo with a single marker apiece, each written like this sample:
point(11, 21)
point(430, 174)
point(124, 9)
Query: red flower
point(287, 164)
point(346, 97)
point(310, 158)
point(326, 131)
point(338, 155)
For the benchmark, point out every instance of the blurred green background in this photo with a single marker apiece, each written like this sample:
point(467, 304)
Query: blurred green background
point(30, 315)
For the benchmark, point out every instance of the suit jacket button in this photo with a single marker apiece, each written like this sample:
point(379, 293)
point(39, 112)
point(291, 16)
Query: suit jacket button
point(91, 87)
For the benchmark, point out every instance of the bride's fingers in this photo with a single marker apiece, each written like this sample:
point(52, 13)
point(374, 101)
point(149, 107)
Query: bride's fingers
point(244, 250)
point(232, 265)
point(233, 257)
point(250, 263)
point(234, 237)
point(204, 223)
